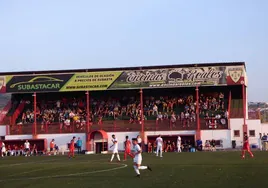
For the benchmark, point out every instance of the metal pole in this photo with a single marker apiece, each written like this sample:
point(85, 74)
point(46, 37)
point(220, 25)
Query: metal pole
point(142, 114)
point(88, 103)
point(245, 128)
point(88, 128)
point(229, 108)
point(35, 123)
point(197, 113)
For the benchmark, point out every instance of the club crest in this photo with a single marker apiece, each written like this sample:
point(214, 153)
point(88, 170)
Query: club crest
point(235, 74)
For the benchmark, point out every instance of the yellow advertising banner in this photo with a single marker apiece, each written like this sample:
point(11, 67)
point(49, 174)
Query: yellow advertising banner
point(91, 81)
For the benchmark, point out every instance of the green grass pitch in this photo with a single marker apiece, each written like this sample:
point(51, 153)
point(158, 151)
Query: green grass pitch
point(201, 169)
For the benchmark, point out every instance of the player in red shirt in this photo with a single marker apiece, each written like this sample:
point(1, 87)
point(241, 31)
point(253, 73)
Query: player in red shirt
point(127, 144)
point(71, 149)
point(246, 148)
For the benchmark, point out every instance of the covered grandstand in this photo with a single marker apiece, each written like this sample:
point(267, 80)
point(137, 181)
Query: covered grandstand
point(199, 100)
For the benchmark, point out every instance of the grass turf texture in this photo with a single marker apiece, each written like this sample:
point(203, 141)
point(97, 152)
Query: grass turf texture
point(203, 169)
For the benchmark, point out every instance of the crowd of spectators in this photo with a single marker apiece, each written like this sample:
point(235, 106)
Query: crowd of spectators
point(178, 109)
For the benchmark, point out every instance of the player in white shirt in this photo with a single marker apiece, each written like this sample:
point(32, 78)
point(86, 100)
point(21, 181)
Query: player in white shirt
point(159, 143)
point(3, 150)
point(27, 148)
point(138, 158)
point(179, 144)
point(115, 150)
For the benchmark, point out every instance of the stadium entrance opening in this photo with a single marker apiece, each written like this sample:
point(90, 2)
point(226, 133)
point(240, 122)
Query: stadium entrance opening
point(187, 141)
point(99, 140)
point(101, 147)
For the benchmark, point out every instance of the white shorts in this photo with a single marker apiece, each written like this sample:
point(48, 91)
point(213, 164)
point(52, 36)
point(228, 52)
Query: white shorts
point(159, 146)
point(3, 149)
point(137, 160)
point(115, 151)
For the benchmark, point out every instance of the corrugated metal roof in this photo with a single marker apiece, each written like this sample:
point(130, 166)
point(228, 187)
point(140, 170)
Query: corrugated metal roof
point(127, 68)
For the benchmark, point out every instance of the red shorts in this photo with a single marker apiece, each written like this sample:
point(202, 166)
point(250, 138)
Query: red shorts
point(71, 149)
point(127, 150)
point(246, 147)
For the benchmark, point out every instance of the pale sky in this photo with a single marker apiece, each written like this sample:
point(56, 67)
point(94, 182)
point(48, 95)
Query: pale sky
point(74, 34)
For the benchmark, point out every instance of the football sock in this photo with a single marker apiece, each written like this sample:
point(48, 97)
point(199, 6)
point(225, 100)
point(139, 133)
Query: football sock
point(118, 157)
point(112, 158)
point(136, 170)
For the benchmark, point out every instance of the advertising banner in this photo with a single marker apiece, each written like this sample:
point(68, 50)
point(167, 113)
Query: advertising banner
point(37, 83)
point(175, 77)
point(116, 80)
point(91, 81)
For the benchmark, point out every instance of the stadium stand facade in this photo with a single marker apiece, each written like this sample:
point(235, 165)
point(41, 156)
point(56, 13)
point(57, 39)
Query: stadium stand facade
point(198, 102)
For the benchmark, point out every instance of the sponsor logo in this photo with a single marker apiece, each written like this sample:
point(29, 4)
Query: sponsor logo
point(194, 75)
point(235, 74)
point(173, 76)
point(38, 83)
point(146, 76)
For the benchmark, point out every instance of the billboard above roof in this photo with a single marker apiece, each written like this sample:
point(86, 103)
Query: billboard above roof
point(124, 79)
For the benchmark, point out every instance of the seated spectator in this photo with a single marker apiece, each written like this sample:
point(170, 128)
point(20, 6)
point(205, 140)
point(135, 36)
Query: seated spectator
point(159, 117)
point(168, 146)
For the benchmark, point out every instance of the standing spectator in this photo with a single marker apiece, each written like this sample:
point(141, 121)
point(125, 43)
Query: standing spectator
point(264, 142)
point(27, 148)
point(52, 146)
point(199, 145)
point(79, 145)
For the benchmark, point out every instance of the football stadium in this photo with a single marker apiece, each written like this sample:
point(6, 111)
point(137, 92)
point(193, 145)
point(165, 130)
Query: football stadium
point(203, 104)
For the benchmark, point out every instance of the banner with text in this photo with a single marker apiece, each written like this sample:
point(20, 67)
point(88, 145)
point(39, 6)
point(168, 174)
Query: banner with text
point(116, 80)
point(180, 77)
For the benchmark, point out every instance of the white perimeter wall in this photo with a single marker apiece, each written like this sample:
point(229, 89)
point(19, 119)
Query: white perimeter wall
point(2, 130)
point(224, 135)
point(60, 139)
point(17, 137)
point(237, 124)
point(264, 128)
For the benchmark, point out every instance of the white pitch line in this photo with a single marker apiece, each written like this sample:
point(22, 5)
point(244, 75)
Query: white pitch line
point(27, 172)
point(69, 175)
point(19, 164)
